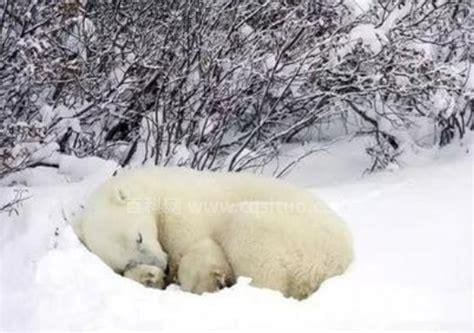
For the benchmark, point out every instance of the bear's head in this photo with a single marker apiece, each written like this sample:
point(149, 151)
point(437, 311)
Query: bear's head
point(122, 230)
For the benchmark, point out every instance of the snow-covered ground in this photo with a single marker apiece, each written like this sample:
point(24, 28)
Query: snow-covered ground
point(413, 268)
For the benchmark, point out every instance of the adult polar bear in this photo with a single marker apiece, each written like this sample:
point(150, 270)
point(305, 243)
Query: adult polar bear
point(211, 227)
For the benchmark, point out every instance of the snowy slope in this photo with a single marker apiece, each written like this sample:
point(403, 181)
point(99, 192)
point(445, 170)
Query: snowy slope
point(413, 268)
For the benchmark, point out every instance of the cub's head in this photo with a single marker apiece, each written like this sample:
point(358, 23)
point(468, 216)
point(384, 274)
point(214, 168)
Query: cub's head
point(121, 229)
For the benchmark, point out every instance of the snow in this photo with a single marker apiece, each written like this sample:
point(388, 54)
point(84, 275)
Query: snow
point(359, 7)
point(369, 35)
point(413, 267)
point(376, 37)
point(246, 30)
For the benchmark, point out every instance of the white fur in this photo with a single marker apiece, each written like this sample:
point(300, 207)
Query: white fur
point(275, 233)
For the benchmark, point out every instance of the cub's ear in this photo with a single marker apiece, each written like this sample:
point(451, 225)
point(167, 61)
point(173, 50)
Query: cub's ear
point(121, 195)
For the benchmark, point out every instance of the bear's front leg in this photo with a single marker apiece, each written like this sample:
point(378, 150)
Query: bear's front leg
point(149, 276)
point(204, 268)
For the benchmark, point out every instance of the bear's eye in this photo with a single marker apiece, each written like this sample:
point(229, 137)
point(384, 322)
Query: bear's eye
point(140, 238)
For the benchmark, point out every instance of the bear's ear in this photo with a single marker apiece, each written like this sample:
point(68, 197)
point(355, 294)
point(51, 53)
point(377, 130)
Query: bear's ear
point(121, 195)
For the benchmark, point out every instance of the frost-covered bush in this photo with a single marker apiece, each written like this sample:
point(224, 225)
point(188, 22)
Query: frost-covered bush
point(223, 84)
point(418, 66)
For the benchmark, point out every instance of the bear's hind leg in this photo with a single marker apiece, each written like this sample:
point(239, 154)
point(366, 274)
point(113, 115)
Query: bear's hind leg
point(271, 279)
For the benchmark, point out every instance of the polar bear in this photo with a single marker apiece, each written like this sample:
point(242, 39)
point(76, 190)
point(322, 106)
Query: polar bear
point(204, 229)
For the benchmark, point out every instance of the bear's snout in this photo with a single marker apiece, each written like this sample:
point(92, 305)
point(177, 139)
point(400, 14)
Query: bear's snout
point(156, 261)
point(161, 263)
